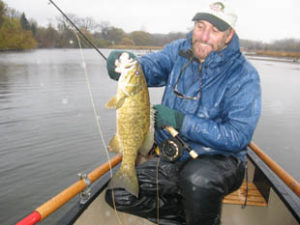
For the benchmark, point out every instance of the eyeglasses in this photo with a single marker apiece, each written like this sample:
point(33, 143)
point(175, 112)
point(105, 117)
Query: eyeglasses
point(175, 89)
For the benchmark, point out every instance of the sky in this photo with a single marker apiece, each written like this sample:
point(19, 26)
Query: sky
point(261, 20)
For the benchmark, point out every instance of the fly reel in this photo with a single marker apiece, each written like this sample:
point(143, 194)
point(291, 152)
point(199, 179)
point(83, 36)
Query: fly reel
point(171, 149)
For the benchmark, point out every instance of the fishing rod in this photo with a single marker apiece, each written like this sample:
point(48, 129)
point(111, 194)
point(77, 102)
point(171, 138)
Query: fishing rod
point(79, 31)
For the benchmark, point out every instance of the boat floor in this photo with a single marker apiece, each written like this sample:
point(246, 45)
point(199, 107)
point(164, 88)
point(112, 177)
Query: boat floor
point(101, 213)
point(274, 214)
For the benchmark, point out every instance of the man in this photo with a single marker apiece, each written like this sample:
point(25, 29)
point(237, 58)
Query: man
point(212, 97)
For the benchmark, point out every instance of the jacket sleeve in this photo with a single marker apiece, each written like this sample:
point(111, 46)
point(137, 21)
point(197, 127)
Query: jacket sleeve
point(157, 66)
point(242, 107)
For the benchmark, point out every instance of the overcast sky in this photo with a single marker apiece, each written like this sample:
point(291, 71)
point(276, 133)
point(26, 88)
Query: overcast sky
point(263, 20)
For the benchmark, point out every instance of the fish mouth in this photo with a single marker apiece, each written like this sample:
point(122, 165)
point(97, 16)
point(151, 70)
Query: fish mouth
point(124, 63)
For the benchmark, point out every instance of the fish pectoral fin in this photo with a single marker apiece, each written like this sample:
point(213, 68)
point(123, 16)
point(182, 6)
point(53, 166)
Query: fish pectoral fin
point(112, 103)
point(120, 102)
point(127, 180)
point(115, 103)
point(114, 145)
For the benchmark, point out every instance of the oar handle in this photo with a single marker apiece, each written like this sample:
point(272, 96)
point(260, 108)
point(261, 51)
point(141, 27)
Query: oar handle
point(278, 170)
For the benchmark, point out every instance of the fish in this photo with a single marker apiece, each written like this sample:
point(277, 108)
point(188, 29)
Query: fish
point(134, 122)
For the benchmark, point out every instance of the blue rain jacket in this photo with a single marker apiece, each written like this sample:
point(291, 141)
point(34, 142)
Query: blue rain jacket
point(224, 119)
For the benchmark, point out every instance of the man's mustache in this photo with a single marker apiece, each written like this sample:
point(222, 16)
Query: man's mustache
point(201, 42)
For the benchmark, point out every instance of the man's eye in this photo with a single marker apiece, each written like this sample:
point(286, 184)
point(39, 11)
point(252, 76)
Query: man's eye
point(215, 30)
point(200, 27)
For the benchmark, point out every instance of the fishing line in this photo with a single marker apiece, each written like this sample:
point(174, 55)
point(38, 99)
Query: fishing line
point(97, 117)
point(96, 114)
point(157, 190)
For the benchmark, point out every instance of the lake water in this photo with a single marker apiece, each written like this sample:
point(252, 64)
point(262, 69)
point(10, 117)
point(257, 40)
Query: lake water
point(48, 131)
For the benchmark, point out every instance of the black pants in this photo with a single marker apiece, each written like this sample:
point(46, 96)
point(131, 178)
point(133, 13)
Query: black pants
point(181, 193)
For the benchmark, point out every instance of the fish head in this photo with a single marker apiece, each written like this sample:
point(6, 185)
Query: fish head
point(134, 74)
point(131, 78)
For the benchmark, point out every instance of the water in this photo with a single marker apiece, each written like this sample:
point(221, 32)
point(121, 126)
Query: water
point(48, 131)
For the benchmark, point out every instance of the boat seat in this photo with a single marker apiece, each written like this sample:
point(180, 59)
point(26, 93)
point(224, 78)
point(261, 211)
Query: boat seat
point(254, 197)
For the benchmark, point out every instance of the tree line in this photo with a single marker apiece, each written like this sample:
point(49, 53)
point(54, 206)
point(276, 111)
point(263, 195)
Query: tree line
point(17, 32)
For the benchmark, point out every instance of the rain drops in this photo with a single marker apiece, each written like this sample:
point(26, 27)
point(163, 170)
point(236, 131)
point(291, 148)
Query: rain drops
point(65, 101)
point(83, 65)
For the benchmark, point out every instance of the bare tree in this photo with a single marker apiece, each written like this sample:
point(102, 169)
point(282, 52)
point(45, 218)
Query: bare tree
point(12, 13)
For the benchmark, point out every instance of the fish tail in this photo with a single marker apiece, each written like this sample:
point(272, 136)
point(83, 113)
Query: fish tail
point(127, 180)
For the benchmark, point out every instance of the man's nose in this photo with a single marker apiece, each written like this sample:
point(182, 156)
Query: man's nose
point(205, 35)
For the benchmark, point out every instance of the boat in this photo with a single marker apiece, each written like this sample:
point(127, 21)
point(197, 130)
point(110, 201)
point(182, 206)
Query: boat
point(268, 196)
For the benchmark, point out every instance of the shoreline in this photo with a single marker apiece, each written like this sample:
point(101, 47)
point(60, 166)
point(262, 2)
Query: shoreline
point(282, 56)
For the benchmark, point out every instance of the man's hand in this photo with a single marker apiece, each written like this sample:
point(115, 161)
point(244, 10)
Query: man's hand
point(112, 63)
point(165, 116)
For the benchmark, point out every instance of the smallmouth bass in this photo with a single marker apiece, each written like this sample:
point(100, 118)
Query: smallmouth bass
point(135, 131)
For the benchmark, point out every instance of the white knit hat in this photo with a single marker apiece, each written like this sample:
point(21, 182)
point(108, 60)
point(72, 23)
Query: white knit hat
point(219, 13)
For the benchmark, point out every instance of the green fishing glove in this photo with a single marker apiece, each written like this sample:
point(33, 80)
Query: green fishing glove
point(166, 116)
point(111, 60)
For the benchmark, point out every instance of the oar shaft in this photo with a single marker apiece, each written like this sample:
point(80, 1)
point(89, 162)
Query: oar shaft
point(278, 170)
point(59, 200)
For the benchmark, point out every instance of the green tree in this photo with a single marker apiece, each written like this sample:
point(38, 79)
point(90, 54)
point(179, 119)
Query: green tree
point(127, 41)
point(2, 12)
point(12, 36)
point(47, 37)
point(100, 42)
point(24, 22)
point(113, 34)
point(141, 38)
point(33, 28)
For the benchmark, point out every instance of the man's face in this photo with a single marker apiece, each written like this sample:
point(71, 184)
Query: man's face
point(207, 38)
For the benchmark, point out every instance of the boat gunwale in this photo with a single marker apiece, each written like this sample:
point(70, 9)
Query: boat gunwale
point(290, 199)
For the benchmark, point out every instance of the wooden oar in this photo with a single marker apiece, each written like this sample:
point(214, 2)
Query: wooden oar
point(278, 170)
point(59, 200)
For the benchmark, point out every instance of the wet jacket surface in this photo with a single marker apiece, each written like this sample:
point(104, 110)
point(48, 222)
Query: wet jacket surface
point(223, 120)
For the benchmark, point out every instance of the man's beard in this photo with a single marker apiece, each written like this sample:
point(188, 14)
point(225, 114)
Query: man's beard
point(200, 49)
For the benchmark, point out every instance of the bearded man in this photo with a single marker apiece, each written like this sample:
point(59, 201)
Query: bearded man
point(212, 97)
